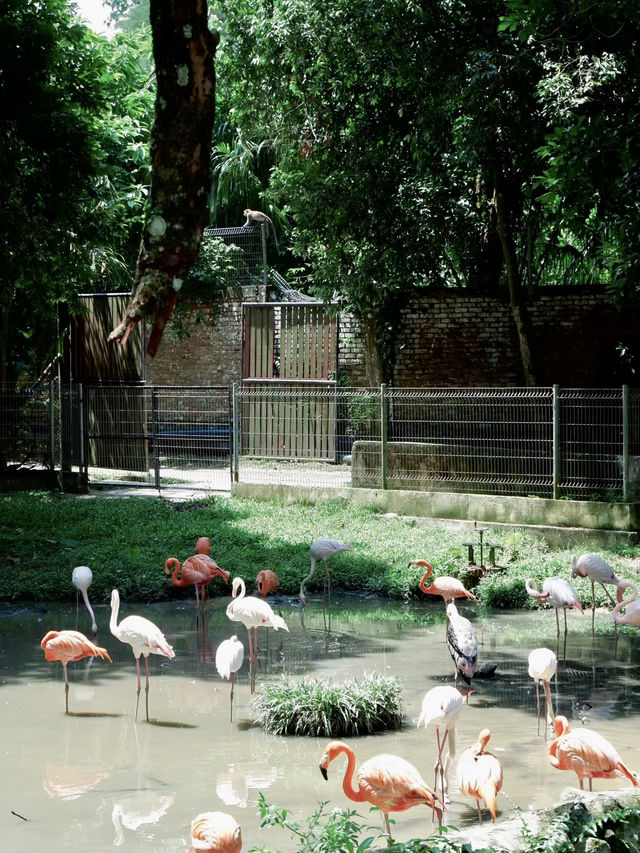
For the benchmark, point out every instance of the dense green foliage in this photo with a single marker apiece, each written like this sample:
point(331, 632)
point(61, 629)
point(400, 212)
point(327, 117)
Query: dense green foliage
point(398, 127)
point(320, 708)
point(488, 145)
point(75, 112)
point(343, 830)
point(125, 541)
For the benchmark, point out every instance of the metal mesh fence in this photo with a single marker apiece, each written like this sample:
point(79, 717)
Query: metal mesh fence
point(485, 439)
point(29, 427)
point(580, 443)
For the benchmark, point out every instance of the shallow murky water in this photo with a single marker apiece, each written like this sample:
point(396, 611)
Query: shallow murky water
point(95, 779)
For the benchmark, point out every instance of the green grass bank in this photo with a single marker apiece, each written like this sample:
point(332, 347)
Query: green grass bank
point(125, 541)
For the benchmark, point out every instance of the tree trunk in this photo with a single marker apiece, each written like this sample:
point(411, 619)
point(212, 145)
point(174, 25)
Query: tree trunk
point(176, 213)
point(518, 310)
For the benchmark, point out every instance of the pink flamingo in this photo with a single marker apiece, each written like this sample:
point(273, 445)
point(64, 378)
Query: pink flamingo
point(198, 570)
point(449, 588)
point(593, 566)
point(387, 781)
point(587, 753)
point(70, 645)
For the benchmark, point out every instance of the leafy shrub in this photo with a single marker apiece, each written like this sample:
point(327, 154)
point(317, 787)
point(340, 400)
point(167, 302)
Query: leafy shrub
point(319, 708)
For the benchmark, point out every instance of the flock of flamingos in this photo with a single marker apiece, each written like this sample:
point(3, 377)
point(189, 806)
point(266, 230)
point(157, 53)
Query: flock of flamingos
point(388, 782)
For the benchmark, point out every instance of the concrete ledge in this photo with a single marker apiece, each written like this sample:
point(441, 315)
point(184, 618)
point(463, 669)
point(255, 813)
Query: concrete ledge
point(583, 521)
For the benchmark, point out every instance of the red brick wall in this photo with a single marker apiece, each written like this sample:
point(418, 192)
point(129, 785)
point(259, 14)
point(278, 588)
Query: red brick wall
point(447, 338)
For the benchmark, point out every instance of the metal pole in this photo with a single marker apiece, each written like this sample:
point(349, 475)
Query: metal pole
point(265, 275)
point(52, 428)
point(383, 434)
point(625, 443)
point(557, 455)
point(82, 467)
point(156, 437)
point(235, 434)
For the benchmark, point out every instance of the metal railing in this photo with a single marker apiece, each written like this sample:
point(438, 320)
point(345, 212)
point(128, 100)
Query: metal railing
point(546, 442)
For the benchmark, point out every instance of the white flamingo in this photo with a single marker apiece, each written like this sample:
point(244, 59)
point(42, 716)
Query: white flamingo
point(441, 708)
point(542, 667)
point(144, 637)
point(559, 593)
point(253, 613)
point(229, 657)
point(322, 549)
point(82, 578)
point(462, 643)
point(594, 567)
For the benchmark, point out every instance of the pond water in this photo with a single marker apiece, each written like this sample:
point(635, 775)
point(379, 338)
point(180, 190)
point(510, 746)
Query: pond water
point(96, 779)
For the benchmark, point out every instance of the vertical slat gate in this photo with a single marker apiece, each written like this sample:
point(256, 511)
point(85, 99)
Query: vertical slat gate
point(289, 345)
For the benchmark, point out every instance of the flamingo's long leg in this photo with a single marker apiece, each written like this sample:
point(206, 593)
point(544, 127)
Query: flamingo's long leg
point(538, 703)
point(66, 688)
point(138, 690)
point(146, 686)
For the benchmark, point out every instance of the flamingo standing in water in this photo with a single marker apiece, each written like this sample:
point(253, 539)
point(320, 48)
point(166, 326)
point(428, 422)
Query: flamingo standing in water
point(480, 774)
point(559, 593)
point(82, 578)
point(593, 566)
point(252, 612)
point(631, 615)
point(387, 781)
point(229, 657)
point(322, 549)
point(587, 753)
point(462, 643)
point(198, 570)
point(542, 667)
point(144, 637)
point(266, 582)
point(441, 708)
point(449, 588)
point(70, 645)
point(215, 832)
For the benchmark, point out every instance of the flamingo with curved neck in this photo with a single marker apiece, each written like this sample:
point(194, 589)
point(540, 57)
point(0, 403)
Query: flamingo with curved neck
point(198, 570)
point(253, 613)
point(388, 782)
point(449, 588)
point(632, 613)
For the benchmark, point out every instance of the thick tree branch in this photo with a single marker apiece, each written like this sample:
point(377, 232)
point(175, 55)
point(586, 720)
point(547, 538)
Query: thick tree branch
point(184, 50)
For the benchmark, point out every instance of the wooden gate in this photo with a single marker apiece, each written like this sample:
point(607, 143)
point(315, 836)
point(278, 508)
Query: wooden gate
point(289, 366)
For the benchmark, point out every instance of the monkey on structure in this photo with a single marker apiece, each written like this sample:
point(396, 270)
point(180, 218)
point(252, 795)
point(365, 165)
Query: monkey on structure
point(257, 217)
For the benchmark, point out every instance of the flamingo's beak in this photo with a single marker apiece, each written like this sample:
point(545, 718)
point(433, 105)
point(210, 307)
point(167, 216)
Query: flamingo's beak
point(323, 770)
point(619, 592)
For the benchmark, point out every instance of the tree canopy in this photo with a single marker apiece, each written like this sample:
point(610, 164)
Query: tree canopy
point(490, 145)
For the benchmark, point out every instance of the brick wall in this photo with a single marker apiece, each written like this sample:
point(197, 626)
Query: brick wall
point(447, 338)
point(452, 338)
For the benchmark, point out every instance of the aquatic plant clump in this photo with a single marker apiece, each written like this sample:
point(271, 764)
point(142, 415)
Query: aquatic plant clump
point(319, 708)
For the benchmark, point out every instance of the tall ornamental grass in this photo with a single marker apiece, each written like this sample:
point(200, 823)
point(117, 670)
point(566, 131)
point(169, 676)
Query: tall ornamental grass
point(317, 708)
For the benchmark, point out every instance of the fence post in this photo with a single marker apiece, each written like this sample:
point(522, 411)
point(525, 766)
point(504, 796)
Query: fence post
point(625, 443)
point(557, 454)
point(383, 434)
point(83, 468)
point(52, 429)
point(155, 426)
point(235, 433)
point(265, 273)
